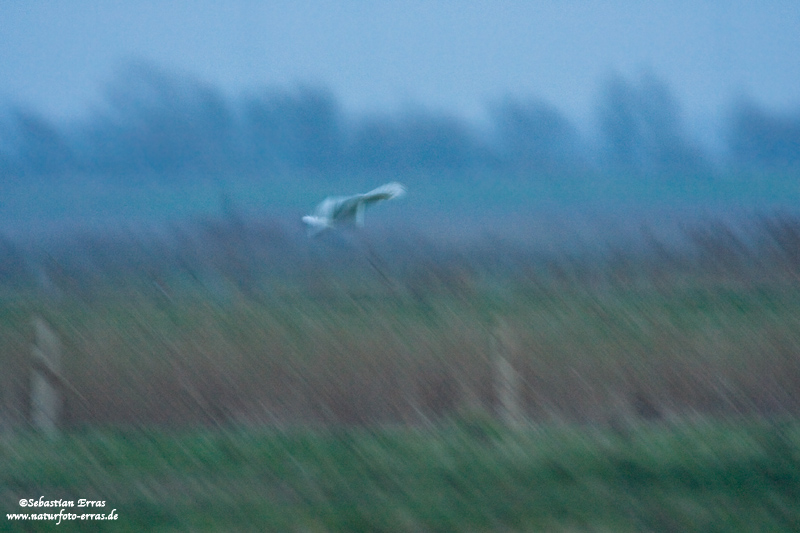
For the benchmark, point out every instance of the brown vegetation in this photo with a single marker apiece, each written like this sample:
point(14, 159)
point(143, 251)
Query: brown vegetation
point(709, 329)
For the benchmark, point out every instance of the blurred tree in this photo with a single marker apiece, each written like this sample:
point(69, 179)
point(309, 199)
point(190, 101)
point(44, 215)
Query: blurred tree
point(757, 138)
point(641, 128)
point(418, 140)
point(9, 166)
point(535, 135)
point(41, 149)
point(156, 122)
point(619, 123)
point(301, 130)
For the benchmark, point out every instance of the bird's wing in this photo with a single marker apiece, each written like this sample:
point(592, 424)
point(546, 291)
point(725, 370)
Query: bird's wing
point(346, 206)
point(338, 207)
point(328, 207)
point(384, 192)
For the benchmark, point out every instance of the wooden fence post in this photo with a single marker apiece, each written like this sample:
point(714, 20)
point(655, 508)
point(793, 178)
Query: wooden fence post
point(46, 389)
point(507, 381)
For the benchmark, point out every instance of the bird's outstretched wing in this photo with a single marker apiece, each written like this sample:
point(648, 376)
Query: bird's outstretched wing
point(384, 192)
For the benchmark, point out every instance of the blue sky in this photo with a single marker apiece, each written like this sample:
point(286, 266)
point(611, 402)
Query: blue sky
point(382, 56)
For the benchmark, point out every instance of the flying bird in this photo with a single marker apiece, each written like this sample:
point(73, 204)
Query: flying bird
point(338, 209)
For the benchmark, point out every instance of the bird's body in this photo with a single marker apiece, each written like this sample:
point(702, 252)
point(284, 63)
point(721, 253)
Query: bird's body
point(339, 209)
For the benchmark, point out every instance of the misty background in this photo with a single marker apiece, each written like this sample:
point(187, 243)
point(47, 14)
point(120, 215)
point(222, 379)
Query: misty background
point(534, 119)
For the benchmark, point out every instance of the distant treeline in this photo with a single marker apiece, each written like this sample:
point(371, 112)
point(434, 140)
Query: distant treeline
point(159, 124)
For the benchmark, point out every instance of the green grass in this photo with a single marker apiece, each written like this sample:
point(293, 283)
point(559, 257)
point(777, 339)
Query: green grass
point(701, 476)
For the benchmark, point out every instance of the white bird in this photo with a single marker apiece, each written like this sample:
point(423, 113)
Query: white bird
point(336, 209)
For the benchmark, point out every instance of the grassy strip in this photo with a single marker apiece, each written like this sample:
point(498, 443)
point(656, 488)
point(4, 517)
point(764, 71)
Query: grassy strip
point(470, 475)
point(583, 353)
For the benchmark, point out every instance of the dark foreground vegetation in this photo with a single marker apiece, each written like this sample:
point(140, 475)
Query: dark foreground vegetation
point(230, 376)
point(470, 474)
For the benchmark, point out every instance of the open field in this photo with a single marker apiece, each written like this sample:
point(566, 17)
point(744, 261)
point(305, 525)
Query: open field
point(593, 355)
point(239, 324)
point(235, 378)
point(464, 476)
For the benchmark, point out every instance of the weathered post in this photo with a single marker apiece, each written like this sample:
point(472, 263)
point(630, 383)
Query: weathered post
point(46, 389)
point(507, 382)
